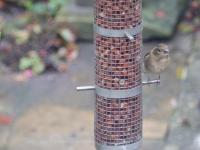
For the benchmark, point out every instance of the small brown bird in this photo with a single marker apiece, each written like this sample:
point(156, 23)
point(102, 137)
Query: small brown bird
point(157, 60)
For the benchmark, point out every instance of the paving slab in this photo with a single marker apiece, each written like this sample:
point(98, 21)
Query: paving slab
point(49, 113)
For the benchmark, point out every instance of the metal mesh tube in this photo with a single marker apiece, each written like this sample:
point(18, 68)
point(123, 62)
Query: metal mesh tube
point(118, 14)
point(118, 118)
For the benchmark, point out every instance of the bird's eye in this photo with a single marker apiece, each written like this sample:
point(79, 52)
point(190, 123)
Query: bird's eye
point(166, 52)
point(158, 50)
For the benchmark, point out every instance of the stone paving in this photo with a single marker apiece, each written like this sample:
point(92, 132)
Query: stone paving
point(48, 112)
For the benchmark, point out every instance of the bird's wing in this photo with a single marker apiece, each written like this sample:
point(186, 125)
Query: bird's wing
point(146, 56)
point(154, 49)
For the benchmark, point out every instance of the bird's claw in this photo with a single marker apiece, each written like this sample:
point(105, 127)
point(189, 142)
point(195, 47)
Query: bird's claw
point(158, 83)
point(148, 80)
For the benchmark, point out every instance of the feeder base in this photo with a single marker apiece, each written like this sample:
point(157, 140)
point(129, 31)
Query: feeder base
point(134, 146)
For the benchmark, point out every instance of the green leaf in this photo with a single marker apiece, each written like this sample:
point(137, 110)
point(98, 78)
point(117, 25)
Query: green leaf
point(37, 64)
point(39, 8)
point(28, 4)
point(25, 63)
point(38, 68)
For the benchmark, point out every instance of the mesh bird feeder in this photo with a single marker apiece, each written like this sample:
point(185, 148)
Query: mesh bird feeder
point(118, 81)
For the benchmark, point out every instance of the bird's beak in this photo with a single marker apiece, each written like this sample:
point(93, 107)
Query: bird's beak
point(166, 51)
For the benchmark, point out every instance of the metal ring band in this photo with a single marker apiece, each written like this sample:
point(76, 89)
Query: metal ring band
point(118, 33)
point(134, 146)
point(139, 59)
point(118, 93)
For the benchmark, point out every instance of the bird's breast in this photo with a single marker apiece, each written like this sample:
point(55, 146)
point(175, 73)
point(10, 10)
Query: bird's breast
point(158, 66)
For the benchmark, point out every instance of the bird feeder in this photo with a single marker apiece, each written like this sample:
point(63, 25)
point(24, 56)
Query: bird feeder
point(118, 81)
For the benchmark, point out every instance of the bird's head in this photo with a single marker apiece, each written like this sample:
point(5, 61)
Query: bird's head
point(161, 51)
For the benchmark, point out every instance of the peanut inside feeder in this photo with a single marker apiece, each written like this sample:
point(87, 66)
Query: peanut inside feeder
point(118, 40)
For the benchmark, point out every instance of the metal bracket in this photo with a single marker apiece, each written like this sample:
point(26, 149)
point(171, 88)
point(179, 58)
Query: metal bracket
point(130, 32)
point(123, 93)
point(129, 36)
point(87, 88)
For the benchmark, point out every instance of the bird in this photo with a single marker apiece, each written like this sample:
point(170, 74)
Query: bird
point(157, 60)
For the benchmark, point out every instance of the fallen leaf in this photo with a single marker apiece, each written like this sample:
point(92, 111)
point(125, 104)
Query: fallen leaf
point(58, 64)
point(62, 52)
point(5, 120)
point(28, 73)
point(22, 36)
point(72, 51)
point(67, 35)
point(33, 62)
point(37, 64)
point(181, 72)
point(37, 28)
point(185, 27)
